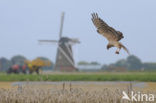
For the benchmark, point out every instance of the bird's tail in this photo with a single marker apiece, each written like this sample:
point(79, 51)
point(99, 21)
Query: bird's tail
point(125, 48)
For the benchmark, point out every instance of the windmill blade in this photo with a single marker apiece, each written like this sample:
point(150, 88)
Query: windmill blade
point(52, 41)
point(47, 41)
point(75, 40)
point(67, 57)
point(69, 50)
point(61, 25)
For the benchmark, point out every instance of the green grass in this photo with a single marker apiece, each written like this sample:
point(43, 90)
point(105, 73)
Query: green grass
point(129, 76)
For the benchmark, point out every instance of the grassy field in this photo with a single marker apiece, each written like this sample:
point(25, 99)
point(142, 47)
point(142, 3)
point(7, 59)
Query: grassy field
point(77, 76)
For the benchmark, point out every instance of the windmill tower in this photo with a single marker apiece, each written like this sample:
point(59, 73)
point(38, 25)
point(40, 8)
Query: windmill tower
point(64, 57)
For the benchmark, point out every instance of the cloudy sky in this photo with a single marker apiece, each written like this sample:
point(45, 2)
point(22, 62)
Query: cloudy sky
point(24, 22)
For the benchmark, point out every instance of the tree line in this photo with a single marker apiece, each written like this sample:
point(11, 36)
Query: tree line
point(131, 63)
point(5, 63)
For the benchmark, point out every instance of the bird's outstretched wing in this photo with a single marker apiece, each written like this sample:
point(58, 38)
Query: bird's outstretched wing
point(104, 29)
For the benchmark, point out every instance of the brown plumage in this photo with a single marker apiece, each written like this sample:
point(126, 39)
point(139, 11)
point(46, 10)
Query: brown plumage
point(110, 33)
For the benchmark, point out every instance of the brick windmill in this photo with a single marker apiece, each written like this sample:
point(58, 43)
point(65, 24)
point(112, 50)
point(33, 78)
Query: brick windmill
point(64, 56)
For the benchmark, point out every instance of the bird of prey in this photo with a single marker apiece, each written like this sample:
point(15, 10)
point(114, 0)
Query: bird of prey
point(109, 33)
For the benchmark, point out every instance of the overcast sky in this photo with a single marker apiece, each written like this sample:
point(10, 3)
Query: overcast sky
point(23, 22)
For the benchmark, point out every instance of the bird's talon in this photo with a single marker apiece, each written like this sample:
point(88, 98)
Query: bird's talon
point(117, 52)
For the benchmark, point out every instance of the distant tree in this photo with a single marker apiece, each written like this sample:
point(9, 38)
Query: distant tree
point(83, 63)
point(134, 63)
point(131, 63)
point(94, 63)
point(18, 59)
point(43, 58)
point(4, 64)
point(121, 63)
point(47, 67)
point(87, 63)
point(104, 67)
point(149, 66)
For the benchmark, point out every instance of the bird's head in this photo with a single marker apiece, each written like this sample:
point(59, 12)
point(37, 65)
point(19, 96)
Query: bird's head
point(120, 34)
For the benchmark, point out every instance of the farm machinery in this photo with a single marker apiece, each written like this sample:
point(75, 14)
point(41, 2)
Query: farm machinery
point(35, 65)
point(29, 66)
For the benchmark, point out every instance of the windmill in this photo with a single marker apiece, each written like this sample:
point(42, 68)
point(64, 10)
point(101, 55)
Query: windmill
point(64, 57)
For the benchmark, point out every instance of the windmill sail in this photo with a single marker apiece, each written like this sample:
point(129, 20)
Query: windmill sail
point(52, 41)
point(61, 25)
point(64, 57)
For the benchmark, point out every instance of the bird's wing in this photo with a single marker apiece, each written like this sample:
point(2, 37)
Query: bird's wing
point(104, 29)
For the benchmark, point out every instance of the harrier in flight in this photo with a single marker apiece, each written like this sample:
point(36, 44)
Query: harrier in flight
point(109, 33)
